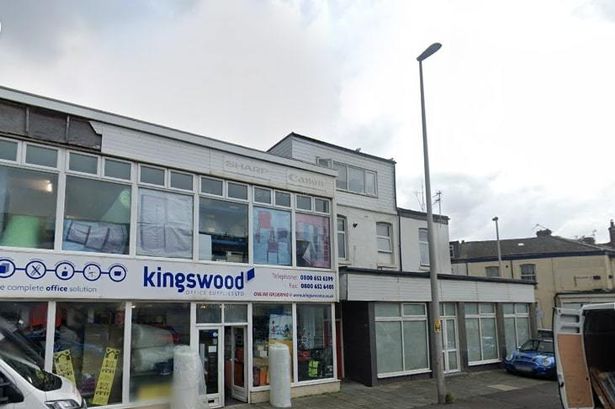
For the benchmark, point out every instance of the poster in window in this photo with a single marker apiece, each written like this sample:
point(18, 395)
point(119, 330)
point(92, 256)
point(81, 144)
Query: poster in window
point(313, 241)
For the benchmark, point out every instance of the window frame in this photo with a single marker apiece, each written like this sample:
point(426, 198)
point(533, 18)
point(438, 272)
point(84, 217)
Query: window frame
point(389, 237)
point(59, 156)
point(104, 167)
point(423, 243)
point(517, 316)
point(364, 171)
point(483, 316)
point(169, 176)
point(164, 176)
point(524, 276)
point(69, 155)
point(201, 192)
point(17, 152)
point(492, 268)
point(344, 233)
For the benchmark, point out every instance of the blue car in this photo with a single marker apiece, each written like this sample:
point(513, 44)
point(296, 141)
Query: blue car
point(535, 357)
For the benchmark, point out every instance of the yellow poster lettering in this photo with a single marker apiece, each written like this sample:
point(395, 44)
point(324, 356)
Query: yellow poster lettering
point(106, 376)
point(63, 363)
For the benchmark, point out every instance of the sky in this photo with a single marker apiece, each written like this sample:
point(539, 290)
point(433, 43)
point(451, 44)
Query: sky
point(519, 99)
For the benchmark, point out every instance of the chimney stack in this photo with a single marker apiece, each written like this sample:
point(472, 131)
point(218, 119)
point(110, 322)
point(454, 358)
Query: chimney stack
point(546, 233)
point(612, 233)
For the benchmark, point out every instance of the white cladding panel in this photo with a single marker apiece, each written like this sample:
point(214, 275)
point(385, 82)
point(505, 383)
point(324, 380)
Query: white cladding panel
point(156, 150)
point(308, 152)
point(410, 255)
point(373, 287)
point(283, 149)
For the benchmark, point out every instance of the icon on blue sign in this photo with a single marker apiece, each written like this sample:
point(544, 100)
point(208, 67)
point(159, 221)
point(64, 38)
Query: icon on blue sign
point(65, 270)
point(36, 269)
point(91, 272)
point(117, 272)
point(7, 268)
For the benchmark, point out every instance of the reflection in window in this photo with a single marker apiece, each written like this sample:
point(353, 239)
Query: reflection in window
point(223, 231)
point(271, 237)
point(27, 321)
point(156, 330)
point(383, 237)
point(165, 224)
point(271, 324)
point(313, 241)
point(8, 150)
point(28, 208)
point(481, 332)
point(97, 216)
point(314, 342)
point(424, 246)
point(90, 334)
point(38, 155)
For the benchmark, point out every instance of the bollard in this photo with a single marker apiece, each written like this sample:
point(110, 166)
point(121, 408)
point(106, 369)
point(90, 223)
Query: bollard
point(279, 376)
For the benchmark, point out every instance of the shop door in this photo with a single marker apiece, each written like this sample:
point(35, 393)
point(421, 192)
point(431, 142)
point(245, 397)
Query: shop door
point(450, 348)
point(235, 368)
point(210, 351)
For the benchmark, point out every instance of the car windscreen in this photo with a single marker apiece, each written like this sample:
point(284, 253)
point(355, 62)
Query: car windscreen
point(546, 347)
point(529, 346)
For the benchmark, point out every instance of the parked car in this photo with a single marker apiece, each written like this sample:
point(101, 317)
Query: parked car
point(535, 357)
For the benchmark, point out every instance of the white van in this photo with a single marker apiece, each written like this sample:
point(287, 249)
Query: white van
point(585, 355)
point(23, 382)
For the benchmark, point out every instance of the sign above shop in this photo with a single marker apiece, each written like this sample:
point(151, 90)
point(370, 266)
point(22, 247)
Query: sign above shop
point(22, 275)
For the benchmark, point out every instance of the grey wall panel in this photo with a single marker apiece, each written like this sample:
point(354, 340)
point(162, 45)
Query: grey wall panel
point(47, 125)
point(12, 118)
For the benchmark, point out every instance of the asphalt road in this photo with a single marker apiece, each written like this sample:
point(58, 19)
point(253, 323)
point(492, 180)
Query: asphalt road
point(544, 396)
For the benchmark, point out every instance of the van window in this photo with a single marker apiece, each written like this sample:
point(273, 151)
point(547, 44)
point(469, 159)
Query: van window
point(37, 377)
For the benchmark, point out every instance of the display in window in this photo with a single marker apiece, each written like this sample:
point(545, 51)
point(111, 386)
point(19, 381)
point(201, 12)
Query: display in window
point(223, 231)
point(97, 216)
point(165, 224)
point(271, 324)
point(27, 208)
point(314, 342)
point(313, 241)
point(89, 349)
point(272, 237)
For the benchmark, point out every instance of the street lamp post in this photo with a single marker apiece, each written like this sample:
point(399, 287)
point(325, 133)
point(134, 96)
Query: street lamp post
point(497, 237)
point(436, 327)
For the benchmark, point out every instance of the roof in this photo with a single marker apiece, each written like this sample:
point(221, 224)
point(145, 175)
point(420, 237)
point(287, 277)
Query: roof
point(533, 247)
point(313, 140)
point(415, 214)
point(27, 98)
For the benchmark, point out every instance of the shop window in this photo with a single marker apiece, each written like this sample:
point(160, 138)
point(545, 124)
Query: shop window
point(321, 205)
point(28, 208)
point(271, 324)
point(516, 325)
point(304, 202)
point(235, 313)
point(97, 216)
point(209, 313)
point(212, 186)
point(153, 176)
point(23, 328)
point(342, 233)
point(89, 349)
point(223, 231)
point(262, 195)
point(272, 235)
point(424, 247)
point(314, 342)
point(182, 181)
point(116, 169)
point(37, 155)
point(313, 241)
point(528, 272)
point(401, 338)
point(8, 150)
point(282, 199)
point(156, 330)
point(164, 226)
point(237, 191)
point(383, 237)
point(481, 333)
point(83, 163)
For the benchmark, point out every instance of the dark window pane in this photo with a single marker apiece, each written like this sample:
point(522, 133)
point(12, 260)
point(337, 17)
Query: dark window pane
point(211, 186)
point(153, 176)
point(282, 199)
point(37, 155)
point(341, 181)
point(28, 208)
point(8, 150)
point(223, 231)
point(304, 202)
point(262, 195)
point(181, 181)
point(237, 191)
point(321, 205)
point(356, 181)
point(97, 216)
point(117, 169)
point(83, 163)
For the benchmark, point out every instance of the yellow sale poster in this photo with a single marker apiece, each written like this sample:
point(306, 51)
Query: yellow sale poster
point(63, 363)
point(106, 376)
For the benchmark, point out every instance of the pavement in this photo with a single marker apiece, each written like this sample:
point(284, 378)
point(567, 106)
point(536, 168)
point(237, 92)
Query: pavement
point(485, 389)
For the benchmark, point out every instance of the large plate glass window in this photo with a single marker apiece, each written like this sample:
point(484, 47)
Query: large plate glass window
point(90, 337)
point(271, 324)
point(23, 323)
point(481, 333)
point(383, 237)
point(97, 216)
point(271, 236)
point(314, 342)
point(28, 208)
point(313, 241)
point(164, 226)
point(223, 230)
point(156, 329)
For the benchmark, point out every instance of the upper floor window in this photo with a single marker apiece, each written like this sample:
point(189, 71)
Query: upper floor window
point(528, 272)
point(492, 271)
point(342, 231)
point(424, 247)
point(383, 236)
point(352, 178)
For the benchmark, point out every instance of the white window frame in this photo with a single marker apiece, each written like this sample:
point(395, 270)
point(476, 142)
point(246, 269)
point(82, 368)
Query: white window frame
point(526, 277)
point(169, 174)
point(364, 171)
point(164, 179)
point(222, 195)
point(104, 166)
point(389, 238)
point(491, 268)
point(17, 153)
point(343, 233)
point(480, 316)
point(401, 319)
point(424, 243)
point(516, 316)
point(271, 195)
point(24, 153)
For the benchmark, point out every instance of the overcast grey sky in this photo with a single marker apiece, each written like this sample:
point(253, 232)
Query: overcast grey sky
point(520, 98)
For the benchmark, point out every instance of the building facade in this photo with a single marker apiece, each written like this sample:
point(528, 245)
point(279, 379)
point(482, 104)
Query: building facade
point(385, 295)
point(120, 239)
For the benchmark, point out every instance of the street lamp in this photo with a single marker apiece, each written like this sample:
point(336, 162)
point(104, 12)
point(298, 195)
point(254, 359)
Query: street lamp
point(433, 258)
point(497, 237)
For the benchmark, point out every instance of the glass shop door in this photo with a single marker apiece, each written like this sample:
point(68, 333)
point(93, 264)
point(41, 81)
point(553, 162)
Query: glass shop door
point(211, 351)
point(235, 367)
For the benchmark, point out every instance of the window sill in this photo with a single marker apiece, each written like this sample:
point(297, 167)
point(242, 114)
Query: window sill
point(485, 362)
